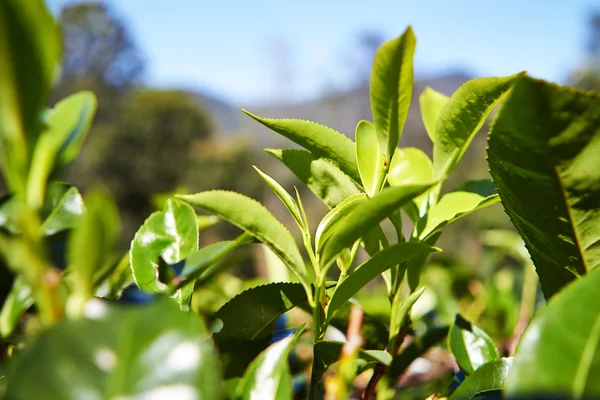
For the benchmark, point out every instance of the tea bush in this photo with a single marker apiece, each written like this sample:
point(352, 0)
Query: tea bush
point(81, 322)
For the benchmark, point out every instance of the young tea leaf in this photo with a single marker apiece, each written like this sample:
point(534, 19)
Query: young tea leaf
point(462, 117)
point(330, 222)
point(371, 268)
point(411, 166)
point(254, 218)
point(367, 216)
point(287, 200)
point(318, 139)
point(324, 179)
point(399, 314)
point(369, 158)
point(65, 214)
point(470, 345)
point(391, 89)
point(18, 301)
point(542, 156)
point(431, 103)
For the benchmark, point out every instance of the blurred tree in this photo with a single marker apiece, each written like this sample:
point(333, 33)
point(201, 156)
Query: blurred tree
point(588, 76)
point(99, 55)
point(147, 150)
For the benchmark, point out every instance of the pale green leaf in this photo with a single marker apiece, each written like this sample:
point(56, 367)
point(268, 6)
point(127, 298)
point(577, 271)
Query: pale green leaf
point(487, 380)
point(369, 158)
point(19, 299)
point(318, 139)
point(391, 87)
point(411, 166)
point(470, 345)
point(462, 117)
point(287, 200)
point(330, 222)
point(431, 103)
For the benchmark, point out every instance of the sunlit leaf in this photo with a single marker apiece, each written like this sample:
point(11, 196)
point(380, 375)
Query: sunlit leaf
point(431, 103)
point(470, 345)
point(487, 380)
point(369, 158)
point(330, 222)
point(18, 301)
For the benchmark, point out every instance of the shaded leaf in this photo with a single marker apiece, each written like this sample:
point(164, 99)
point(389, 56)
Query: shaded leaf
point(559, 353)
point(431, 103)
point(414, 350)
point(391, 87)
point(371, 268)
point(318, 139)
point(543, 158)
point(152, 351)
point(486, 380)
point(65, 214)
point(328, 353)
point(462, 117)
point(252, 314)
point(369, 158)
point(324, 179)
point(470, 345)
point(367, 216)
point(399, 314)
point(254, 218)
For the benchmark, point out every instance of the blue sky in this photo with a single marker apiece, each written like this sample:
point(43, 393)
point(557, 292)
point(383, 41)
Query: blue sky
point(225, 46)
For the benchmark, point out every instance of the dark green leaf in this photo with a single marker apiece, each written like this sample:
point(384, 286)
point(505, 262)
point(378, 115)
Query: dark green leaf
point(324, 179)
point(269, 376)
point(559, 353)
point(367, 216)
point(252, 314)
point(470, 345)
point(371, 268)
point(319, 140)
point(254, 218)
point(488, 378)
point(462, 117)
point(391, 89)
point(399, 315)
point(431, 103)
point(369, 158)
point(171, 234)
point(543, 157)
point(30, 48)
point(414, 350)
point(328, 353)
point(152, 351)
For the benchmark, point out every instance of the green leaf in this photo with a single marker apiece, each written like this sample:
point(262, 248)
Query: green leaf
point(328, 353)
point(324, 179)
point(431, 103)
point(330, 222)
point(470, 345)
point(411, 166)
point(487, 379)
point(199, 262)
point(369, 158)
point(254, 218)
point(18, 301)
point(462, 117)
point(391, 89)
point(371, 268)
point(318, 139)
point(467, 198)
point(59, 144)
point(91, 244)
point(414, 350)
point(66, 214)
point(367, 216)
point(287, 200)
point(251, 314)
point(171, 234)
point(152, 351)
point(269, 376)
point(30, 48)
point(559, 353)
point(399, 314)
point(543, 159)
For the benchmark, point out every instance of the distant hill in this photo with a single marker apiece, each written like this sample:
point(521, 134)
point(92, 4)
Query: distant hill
point(341, 111)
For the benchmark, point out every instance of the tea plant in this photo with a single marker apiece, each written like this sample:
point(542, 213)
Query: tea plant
point(83, 322)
